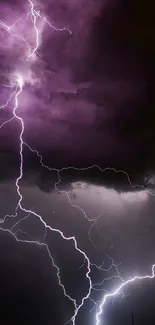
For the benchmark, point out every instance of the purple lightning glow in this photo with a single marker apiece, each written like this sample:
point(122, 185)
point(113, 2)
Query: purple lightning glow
point(20, 84)
point(19, 81)
point(19, 205)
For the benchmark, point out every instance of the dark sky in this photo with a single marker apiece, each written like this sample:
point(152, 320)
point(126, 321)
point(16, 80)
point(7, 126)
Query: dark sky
point(87, 100)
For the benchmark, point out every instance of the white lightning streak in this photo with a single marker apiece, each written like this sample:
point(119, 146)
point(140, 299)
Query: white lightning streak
point(4, 106)
point(19, 205)
point(6, 122)
point(19, 88)
point(8, 28)
point(20, 83)
point(118, 290)
point(35, 15)
point(57, 29)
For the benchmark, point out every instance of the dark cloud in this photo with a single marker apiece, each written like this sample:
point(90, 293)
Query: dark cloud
point(36, 175)
point(95, 95)
point(126, 218)
point(88, 98)
point(93, 101)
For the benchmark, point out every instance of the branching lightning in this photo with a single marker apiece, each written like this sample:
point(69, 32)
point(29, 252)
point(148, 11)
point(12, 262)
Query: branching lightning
point(18, 86)
point(118, 290)
point(20, 206)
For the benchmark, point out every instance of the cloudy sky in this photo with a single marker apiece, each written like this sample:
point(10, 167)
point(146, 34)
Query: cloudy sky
point(77, 145)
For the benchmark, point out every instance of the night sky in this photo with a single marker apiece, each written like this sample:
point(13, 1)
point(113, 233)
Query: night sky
point(77, 162)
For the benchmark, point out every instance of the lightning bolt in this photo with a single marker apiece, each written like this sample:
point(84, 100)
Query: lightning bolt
point(19, 85)
point(19, 88)
point(35, 15)
point(9, 28)
point(5, 105)
point(118, 290)
point(20, 206)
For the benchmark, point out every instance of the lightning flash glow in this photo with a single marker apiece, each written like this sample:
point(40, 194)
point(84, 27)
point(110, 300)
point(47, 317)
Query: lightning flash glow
point(17, 85)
